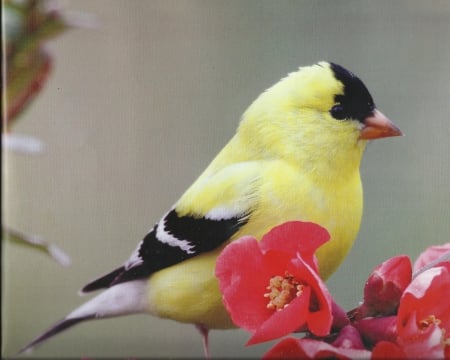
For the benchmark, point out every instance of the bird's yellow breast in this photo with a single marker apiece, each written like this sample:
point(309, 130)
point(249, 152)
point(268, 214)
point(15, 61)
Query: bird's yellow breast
point(335, 203)
point(188, 292)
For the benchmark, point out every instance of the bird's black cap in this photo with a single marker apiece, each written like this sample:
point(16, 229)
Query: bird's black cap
point(356, 102)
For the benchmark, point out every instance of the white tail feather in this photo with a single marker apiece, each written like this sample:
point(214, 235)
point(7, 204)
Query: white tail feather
point(121, 299)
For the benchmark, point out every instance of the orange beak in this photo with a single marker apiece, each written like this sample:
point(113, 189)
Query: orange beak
point(378, 126)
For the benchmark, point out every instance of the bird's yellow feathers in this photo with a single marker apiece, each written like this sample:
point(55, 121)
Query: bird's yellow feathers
point(291, 120)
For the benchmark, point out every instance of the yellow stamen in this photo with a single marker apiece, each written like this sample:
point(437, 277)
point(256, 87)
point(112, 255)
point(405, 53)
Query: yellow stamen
point(282, 290)
point(431, 319)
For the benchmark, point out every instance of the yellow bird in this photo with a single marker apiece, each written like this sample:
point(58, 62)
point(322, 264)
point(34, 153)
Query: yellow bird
point(295, 156)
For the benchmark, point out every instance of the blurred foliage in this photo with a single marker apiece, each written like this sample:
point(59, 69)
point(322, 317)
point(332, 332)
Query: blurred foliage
point(37, 243)
point(27, 25)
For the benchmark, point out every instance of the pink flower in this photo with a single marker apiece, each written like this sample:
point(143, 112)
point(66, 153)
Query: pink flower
point(423, 323)
point(348, 345)
point(271, 287)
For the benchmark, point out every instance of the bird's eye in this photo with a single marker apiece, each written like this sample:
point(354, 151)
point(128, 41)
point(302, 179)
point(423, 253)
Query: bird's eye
point(338, 112)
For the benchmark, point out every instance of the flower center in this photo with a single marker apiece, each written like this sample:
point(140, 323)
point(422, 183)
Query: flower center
point(431, 319)
point(425, 323)
point(282, 290)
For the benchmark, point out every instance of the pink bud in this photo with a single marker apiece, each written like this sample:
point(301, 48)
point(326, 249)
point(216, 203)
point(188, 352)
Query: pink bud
point(386, 284)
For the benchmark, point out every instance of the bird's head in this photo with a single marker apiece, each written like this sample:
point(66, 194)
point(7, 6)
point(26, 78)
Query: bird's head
point(321, 112)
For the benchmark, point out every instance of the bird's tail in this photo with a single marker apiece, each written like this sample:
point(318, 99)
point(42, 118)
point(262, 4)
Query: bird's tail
point(122, 299)
point(55, 329)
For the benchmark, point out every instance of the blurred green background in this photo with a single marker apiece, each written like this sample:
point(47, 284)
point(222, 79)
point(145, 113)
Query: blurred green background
point(137, 107)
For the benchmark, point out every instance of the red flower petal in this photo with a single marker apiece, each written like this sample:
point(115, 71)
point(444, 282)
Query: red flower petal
point(387, 350)
point(242, 281)
point(423, 316)
point(283, 322)
point(427, 295)
point(296, 237)
point(288, 348)
point(319, 319)
point(312, 349)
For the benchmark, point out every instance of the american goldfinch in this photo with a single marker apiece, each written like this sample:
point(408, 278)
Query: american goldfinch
point(295, 156)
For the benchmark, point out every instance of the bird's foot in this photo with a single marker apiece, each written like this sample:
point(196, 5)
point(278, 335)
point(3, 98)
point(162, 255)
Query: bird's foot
point(204, 331)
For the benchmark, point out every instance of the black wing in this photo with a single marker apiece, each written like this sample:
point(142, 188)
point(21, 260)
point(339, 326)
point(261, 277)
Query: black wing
point(174, 239)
